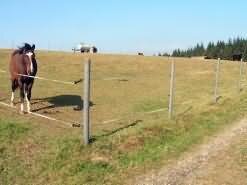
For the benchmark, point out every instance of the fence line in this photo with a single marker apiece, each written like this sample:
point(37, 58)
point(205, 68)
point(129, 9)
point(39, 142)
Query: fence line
point(46, 79)
point(74, 124)
point(87, 80)
point(112, 78)
point(69, 124)
point(86, 110)
point(69, 82)
point(124, 117)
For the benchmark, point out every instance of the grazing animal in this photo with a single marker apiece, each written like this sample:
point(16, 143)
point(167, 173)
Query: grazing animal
point(23, 62)
point(237, 57)
point(141, 54)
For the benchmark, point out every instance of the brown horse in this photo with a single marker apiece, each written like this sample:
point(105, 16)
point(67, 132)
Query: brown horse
point(23, 63)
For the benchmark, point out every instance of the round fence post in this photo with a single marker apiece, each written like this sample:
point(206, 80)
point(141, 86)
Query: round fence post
point(216, 96)
point(240, 75)
point(171, 94)
point(86, 102)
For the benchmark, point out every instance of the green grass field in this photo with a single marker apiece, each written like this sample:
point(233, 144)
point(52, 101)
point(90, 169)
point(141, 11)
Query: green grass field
point(38, 151)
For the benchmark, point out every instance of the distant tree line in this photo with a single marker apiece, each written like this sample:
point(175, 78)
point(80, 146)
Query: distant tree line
point(164, 54)
point(221, 49)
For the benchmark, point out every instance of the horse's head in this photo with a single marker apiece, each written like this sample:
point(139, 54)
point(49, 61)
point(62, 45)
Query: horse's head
point(29, 56)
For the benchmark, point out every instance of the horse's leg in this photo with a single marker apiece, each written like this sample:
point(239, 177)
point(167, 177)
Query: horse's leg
point(13, 87)
point(13, 93)
point(22, 94)
point(28, 94)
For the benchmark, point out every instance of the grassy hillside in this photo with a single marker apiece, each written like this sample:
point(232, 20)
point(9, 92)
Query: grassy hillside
point(37, 151)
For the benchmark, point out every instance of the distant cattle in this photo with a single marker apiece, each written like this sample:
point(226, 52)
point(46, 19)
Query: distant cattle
point(85, 48)
point(140, 54)
point(207, 58)
point(237, 57)
point(88, 49)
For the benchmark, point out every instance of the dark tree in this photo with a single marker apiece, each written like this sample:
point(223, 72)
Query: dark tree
point(225, 50)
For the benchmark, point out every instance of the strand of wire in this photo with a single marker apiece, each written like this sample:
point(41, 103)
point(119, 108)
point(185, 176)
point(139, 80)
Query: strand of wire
point(66, 123)
point(69, 82)
point(112, 121)
point(46, 79)
point(120, 79)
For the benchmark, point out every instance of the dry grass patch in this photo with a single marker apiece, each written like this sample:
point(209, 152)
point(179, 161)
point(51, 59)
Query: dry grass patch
point(125, 147)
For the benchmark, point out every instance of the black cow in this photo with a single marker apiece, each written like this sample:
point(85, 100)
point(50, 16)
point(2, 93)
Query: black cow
point(237, 57)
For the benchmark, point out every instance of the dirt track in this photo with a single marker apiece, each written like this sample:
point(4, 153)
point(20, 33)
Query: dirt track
point(214, 162)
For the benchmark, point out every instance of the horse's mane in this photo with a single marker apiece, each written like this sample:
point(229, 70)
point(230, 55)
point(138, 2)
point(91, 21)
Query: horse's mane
point(21, 49)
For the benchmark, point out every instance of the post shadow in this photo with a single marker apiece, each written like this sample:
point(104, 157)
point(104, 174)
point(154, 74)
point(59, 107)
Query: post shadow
point(110, 133)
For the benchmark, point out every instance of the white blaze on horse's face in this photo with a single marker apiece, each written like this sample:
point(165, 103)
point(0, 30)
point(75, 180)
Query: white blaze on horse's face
point(30, 54)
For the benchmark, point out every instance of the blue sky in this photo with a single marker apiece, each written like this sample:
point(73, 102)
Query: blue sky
point(121, 26)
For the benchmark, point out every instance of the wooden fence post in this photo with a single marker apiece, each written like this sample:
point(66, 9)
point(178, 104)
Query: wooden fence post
point(240, 75)
point(171, 95)
point(216, 96)
point(86, 102)
point(244, 68)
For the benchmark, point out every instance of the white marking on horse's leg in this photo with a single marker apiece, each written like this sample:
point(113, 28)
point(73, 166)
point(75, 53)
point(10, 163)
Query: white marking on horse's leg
point(26, 96)
point(28, 103)
point(22, 107)
point(28, 106)
point(12, 96)
point(12, 99)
